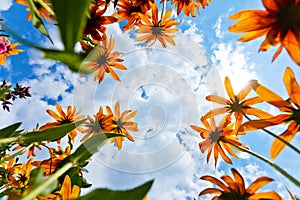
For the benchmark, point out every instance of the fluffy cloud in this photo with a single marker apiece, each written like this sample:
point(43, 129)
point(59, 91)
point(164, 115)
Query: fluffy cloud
point(5, 4)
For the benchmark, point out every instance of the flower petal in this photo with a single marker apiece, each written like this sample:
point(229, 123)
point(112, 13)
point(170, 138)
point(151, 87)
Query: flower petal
point(292, 86)
point(258, 183)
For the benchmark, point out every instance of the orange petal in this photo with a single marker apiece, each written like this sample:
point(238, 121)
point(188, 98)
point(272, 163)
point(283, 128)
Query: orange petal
point(216, 182)
point(292, 86)
point(292, 45)
point(244, 92)
point(199, 129)
point(288, 135)
point(230, 182)
point(223, 155)
point(215, 112)
point(60, 111)
point(252, 101)
point(253, 35)
point(229, 89)
point(257, 112)
point(265, 195)
point(218, 99)
point(257, 184)
point(270, 97)
point(270, 5)
point(210, 191)
point(239, 181)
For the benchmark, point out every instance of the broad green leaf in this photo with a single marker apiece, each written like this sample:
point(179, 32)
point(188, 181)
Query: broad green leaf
point(37, 21)
point(91, 146)
point(49, 134)
point(37, 178)
point(10, 130)
point(105, 194)
point(71, 17)
point(71, 59)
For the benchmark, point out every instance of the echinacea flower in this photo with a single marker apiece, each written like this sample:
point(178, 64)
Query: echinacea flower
point(121, 124)
point(100, 124)
point(68, 117)
point(279, 23)
point(217, 137)
point(96, 21)
point(130, 11)
point(7, 49)
point(290, 109)
point(236, 104)
point(103, 60)
point(41, 9)
point(233, 188)
point(155, 29)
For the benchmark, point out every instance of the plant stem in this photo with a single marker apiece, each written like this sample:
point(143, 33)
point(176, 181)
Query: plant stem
point(278, 138)
point(279, 169)
point(37, 190)
point(8, 140)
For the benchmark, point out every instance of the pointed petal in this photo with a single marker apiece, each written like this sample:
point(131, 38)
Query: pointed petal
point(229, 89)
point(210, 191)
point(258, 183)
point(239, 181)
point(218, 99)
point(216, 182)
point(292, 86)
point(265, 195)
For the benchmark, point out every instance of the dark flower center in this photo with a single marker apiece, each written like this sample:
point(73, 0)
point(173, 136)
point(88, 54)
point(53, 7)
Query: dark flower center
point(22, 178)
point(156, 30)
point(135, 9)
point(215, 135)
point(289, 17)
point(295, 116)
point(102, 60)
point(233, 195)
point(66, 121)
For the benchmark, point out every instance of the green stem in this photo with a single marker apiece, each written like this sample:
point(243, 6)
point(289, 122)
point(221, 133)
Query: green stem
point(278, 138)
point(163, 9)
point(46, 7)
point(15, 154)
point(279, 169)
point(37, 190)
point(8, 140)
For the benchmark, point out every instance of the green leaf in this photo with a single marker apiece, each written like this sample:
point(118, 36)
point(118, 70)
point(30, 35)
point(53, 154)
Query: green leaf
point(3, 91)
point(9, 130)
point(91, 146)
point(105, 194)
point(71, 16)
point(50, 134)
point(37, 21)
point(71, 59)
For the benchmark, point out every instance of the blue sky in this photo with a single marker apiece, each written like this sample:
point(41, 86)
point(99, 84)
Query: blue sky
point(168, 88)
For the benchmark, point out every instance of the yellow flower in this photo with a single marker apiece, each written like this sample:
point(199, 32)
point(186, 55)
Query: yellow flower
point(67, 191)
point(19, 176)
point(103, 60)
point(121, 123)
point(290, 115)
point(279, 22)
point(234, 188)
point(61, 118)
point(157, 29)
point(217, 137)
point(100, 124)
point(7, 49)
point(236, 104)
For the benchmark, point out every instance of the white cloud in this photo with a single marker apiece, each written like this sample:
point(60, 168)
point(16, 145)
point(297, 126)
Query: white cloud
point(5, 4)
point(218, 28)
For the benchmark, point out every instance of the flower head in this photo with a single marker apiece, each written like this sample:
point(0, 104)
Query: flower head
point(233, 188)
point(7, 49)
point(236, 104)
point(121, 123)
point(20, 174)
point(187, 6)
point(70, 116)
point(103, 60)
point(155, 29)
point(67, 191)
point(290, 109)
point(279, 23)
point(217, 137)
point(100, 124)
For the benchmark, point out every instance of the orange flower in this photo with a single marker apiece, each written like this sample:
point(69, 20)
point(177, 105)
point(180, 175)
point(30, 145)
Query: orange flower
point(20, 174)
point(103, 60)
point(61, 118)
point(234, 188)
point(121, 123)
point(131, 11)
point(67, 191)
point(94, 27)
point(157, 29)
point(291, 115)
point(279, 22)
point(236, 104)
point(217, 138)
point(7, 49)
point(102, 123)
point(42, 11)
point(188, 6)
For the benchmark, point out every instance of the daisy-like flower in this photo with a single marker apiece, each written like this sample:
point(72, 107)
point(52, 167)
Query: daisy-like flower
point(94, 26)
point(56, 156)
point(20, 174)
point(42, 11)
point(100, 124)
point(291, 109)
point(236, 104)
point(121, 124)
point(188, 6)
point(7, 49)
point(130, 11)
point(217, 137)
point(155, 29)
point(103, 60)
point(62, 117)
point(279, 23)
point(233, 188)
point(67, 191)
